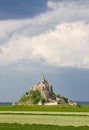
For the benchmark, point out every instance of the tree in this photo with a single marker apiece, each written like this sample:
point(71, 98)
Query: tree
point(53, 95)
point(43, 101)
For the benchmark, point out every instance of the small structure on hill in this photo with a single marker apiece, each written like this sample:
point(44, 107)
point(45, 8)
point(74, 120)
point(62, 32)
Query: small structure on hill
point(42, 94)
point(72, 103)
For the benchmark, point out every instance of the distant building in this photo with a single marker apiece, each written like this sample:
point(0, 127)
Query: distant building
point(71, 102)
point(53, 102)
point(44, 87)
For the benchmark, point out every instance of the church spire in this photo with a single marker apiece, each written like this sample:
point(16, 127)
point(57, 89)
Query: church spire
point(43, 77)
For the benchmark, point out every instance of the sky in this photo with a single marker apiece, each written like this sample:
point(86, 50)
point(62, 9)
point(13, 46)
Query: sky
point(44, 36)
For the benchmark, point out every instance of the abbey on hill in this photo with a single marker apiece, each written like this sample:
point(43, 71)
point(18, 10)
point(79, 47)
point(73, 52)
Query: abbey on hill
point(44, 88)
point(42, 94)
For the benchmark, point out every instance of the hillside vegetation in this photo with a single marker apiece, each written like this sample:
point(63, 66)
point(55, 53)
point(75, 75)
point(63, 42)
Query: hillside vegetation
point(32, 97)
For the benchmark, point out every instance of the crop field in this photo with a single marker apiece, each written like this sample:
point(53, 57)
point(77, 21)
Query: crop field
point(44, 117)
point(62, 120)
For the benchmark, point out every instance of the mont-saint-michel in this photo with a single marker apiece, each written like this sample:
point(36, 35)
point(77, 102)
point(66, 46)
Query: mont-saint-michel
point(42, 94)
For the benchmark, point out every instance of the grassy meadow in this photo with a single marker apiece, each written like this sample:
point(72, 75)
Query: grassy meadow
point(59, 108)
point(63, 117)
point(39, 127)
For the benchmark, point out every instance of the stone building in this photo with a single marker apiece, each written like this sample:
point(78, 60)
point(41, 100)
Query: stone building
point(45, 97)
point(44, 88)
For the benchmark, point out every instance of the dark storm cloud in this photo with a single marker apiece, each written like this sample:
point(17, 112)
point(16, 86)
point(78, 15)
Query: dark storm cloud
point(17, 9)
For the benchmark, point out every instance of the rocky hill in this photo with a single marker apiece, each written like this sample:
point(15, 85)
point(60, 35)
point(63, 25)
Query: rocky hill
point(42, 94)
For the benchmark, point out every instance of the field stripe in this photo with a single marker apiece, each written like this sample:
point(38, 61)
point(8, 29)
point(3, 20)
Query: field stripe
point(46, 119)
point(45, 113)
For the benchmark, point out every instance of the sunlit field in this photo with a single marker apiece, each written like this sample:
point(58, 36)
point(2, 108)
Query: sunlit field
point(44, 117)
point(62, 120)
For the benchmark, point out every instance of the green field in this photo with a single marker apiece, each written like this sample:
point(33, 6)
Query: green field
point(39, 127)
point(59, 108)
point(61, 120)
point(63, 117)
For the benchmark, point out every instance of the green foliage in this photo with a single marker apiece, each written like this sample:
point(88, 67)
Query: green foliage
point(63, 100)
point(53, 95)
point(43, 100)
point(58, 95)
point(66, 100)
point(35, 96)
point(24, 98)
point(30, 98)
point(27, 93)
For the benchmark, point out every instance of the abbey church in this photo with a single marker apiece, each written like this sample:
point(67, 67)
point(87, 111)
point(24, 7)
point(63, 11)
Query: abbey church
point(44, 88)
point(42, 94)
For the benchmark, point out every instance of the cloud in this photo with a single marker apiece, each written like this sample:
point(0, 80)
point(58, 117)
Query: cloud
point(58, 37)
point(71, 11)
point(53, 4)
point(56, 4)
point(67, 45)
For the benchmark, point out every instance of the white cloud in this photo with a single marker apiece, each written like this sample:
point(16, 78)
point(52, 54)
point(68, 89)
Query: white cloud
point(54, 5)
point(67, 45)
point(58, 37)
point(67, 3)
point(71, 11)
